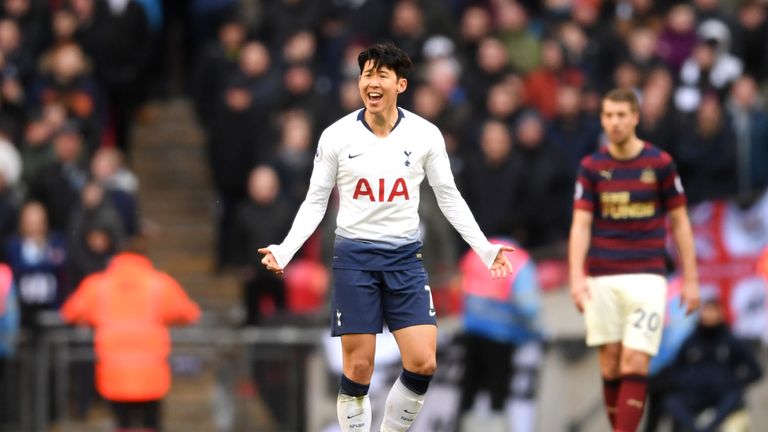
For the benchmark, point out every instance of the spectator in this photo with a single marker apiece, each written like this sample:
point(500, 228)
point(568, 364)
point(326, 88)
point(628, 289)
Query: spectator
point(36, 149)
point(217, 61)
point(57, 185)
point(264, 217)
point(475, 25)
point(543, 186)
point(120, 186)
point(116, 36)
point(749, 38)
point(657, 118)
point(38, 258)
point(13, 100)
point(710, 69)
point(130, 306)
point(12, 48)
point(66, 80)
point(712, 370)
point(541, 84)
point(499, 316)
point(493, 207)
point(408, 29)
point(750, 123)
point(523, 46)
point(574, 133)
point(489, 67)
point(706, 154)
point(63, 25)
point(93, 212)
point(294, 156)
point(678, 38)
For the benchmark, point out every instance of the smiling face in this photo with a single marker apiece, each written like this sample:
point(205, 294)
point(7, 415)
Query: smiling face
point(379, 86)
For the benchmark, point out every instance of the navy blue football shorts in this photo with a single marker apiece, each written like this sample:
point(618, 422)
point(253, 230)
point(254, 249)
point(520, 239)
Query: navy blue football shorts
point(364, 300)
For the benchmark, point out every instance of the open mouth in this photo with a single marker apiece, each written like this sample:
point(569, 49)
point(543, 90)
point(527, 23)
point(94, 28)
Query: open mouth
point(374, 96)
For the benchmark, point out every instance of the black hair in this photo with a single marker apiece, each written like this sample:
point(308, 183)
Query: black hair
point(386, 54)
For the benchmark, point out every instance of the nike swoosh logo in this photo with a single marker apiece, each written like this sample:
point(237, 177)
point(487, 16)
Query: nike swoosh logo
point(354, 415)
point(409, 411)
point(351, 156)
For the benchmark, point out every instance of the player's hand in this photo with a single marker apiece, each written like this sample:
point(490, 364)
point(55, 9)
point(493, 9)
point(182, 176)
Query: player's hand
point(270, 262)
point(501, 266)
point(689, 296)
point(579, 292)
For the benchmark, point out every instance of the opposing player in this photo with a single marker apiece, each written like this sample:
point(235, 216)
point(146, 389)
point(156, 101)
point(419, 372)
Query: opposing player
point(623, 194)
point(378, 157)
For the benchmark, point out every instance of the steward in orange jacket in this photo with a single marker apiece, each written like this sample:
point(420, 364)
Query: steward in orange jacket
point(130, 306)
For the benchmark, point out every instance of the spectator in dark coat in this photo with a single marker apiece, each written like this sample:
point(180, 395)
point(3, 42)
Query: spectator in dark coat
point(117, 37)
point(120, 186)
point(93, 211)
point(544, 189)
point(573, 132)
point(750, 124)
point(215, 64)
point(712, 370)
point(57, 186)
point(488, 180)
point(706, 154)
point(264, 216)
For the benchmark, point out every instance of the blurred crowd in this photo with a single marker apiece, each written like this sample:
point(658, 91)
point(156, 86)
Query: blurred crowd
point(69, 80)
point(513, 85)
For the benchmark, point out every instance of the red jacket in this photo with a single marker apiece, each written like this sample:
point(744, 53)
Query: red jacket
point(130, 306)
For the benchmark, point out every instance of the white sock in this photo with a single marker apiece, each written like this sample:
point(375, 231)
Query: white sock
point(354, 413)
point(401, 409)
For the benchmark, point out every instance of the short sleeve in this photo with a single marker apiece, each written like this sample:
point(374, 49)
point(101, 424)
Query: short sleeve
point(326, 163)
point(672, 192)
point(584, 189)
point(438, 166)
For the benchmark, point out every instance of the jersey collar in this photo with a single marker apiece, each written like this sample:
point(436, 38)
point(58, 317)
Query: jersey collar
point(361, 118)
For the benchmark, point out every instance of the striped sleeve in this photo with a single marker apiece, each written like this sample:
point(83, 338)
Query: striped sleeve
point(672, 192)
point(584, 193)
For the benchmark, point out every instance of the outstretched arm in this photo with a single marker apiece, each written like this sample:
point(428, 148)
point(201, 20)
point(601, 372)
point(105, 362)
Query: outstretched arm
point(311, 212)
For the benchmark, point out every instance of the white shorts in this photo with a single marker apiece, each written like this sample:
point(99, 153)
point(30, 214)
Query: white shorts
point(626, 308)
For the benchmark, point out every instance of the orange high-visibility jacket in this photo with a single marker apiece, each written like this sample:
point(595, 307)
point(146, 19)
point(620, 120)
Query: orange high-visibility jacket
point(130, 306)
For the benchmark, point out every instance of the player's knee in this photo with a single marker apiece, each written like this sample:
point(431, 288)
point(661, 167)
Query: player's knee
point(359, 369)
point(423, 366)
point(634, 362)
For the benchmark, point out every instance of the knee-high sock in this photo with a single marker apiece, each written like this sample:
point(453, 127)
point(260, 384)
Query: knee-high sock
point(631, 402)
point(353, 406)
point(611, 389)
point(354, 413)
point(403, 404)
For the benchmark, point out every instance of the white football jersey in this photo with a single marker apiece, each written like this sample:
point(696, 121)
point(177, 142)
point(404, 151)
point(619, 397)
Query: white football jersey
point(378, 179)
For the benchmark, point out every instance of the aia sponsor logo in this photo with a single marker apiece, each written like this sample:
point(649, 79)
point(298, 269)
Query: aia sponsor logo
point(382, 192)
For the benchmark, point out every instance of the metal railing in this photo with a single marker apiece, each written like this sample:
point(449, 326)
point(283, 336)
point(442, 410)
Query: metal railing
point(43, 383)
